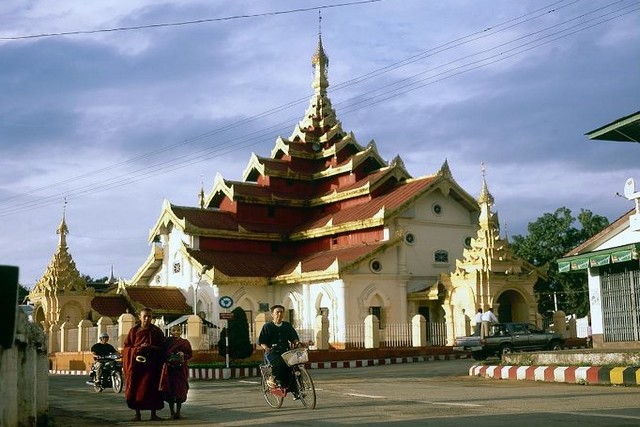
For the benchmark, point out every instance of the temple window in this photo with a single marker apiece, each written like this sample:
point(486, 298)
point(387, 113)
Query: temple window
point(441, 256)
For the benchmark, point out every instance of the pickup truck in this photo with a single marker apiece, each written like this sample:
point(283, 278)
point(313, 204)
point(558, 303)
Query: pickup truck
point(506, 338)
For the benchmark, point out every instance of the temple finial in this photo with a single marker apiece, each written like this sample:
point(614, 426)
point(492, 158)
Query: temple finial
point(320, 63)
point(201, 193)
point(485, 195)
point(63, 230)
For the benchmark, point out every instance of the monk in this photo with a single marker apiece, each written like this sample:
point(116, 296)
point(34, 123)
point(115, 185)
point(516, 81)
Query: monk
point(143, 357)
point(174, 381)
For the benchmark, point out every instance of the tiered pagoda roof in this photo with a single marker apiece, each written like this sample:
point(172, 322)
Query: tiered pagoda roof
point(315, 208)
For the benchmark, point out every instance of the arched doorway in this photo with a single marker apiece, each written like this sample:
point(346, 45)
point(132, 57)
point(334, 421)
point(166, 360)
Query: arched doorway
point(512, 307)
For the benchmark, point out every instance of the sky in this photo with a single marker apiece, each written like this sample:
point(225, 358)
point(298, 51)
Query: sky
point(107, 108)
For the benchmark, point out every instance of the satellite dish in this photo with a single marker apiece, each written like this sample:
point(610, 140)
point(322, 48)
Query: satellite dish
point(630, 190)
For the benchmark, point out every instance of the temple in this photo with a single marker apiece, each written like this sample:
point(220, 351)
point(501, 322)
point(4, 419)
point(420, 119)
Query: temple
point(326, 227)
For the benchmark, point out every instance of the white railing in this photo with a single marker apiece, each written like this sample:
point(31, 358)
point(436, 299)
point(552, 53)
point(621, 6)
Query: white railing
point(393, 335)
point(396, 335)
point(353, 336)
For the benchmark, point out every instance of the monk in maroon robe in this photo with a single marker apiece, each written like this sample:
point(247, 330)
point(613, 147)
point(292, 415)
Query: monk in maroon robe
point(143, 357)
point(174, 381)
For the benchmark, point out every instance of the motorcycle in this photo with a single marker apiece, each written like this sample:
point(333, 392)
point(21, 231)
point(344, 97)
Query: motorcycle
point(111, 374)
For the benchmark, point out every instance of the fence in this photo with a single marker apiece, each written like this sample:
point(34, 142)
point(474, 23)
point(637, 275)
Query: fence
point(393, 335)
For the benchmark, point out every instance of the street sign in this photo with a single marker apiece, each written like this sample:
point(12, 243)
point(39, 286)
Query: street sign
point(225, 302)
point(226, 316)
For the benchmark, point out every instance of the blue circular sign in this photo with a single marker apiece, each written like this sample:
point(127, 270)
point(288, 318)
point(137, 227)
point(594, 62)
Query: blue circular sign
point(225, 302)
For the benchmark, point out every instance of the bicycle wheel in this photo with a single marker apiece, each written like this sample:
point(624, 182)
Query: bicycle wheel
point(307, 391)
point(272, 400)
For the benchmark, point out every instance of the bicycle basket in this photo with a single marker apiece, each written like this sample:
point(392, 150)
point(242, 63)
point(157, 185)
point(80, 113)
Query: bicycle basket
point(296, 356)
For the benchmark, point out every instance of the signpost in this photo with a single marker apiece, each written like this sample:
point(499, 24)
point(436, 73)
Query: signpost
point(226, 302)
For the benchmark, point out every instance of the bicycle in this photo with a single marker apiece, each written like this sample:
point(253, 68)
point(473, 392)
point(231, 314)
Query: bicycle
point(295, 359)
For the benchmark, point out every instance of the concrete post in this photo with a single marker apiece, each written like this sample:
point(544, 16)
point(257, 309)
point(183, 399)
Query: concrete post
point(64, 337)
point(261, 319)
point(418, 331)
point(371, 332)
point(102, 323)
point(194, 332)
point(559, 323)
point(54, 339)
point(572, 329)
point(83, 335)
point(126, 321)
point(321, 330)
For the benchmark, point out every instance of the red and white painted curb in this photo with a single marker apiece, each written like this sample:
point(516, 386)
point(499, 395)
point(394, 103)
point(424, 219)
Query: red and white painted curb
point(563, 374)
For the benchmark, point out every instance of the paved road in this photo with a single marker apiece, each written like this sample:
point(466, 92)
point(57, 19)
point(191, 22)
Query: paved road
point(430, 393)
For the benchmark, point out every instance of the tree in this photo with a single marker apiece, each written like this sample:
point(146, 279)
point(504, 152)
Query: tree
point(240, 346)
point(22, 293)
point(550, 237)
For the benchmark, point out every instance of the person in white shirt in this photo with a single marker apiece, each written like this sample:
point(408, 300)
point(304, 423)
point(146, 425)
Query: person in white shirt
point(477, 319)
point(488, 318)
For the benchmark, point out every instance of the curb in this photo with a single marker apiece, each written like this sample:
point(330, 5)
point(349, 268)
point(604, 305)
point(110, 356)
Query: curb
point(585, 375)
point(217, 373)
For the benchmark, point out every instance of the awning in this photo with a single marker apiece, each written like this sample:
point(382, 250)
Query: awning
point(599, 258)
point(623, 129)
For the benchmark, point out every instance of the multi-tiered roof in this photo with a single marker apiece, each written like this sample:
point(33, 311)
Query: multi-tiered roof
point(312, 210)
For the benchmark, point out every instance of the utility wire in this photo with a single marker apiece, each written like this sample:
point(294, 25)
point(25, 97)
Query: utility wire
point(248, 140)
point(427, 53)
point(197, 21)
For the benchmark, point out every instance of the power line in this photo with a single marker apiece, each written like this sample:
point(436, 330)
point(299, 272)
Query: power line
point(422, 55)
point(248, 140)
point(197, 21)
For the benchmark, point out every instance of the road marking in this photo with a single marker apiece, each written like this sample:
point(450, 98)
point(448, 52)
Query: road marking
point(475, 405)
point(365, 395)
point(591, 414)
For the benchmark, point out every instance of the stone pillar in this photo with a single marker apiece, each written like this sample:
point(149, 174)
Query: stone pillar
point(194, 332)
point(448, 319)
point(559, 323)
point(65, 330)
point(83, 335)
point(322, 332)
point(371, 332)
point(261, 319)
point(418, 331)
point(572, 329)
point(103, 322)
point(54, 339)
point(126, 321)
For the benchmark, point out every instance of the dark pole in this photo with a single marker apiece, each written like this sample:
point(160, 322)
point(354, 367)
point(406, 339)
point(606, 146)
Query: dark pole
point(8, 304)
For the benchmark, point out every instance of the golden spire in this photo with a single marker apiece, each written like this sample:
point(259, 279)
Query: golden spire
point(63, 230)
point(320, 62)
point(485, 195)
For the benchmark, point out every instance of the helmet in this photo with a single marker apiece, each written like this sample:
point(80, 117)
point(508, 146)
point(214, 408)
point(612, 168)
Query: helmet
point(104, 335)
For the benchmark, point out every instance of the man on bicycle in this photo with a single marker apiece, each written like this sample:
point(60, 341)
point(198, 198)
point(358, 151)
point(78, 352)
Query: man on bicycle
point(275, 338)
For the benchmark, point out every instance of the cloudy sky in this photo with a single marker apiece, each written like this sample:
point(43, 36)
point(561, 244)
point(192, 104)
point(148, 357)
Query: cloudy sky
point(104, 105)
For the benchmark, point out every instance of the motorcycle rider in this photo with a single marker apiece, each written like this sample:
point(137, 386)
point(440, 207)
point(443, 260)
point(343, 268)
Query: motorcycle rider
point(100, 350)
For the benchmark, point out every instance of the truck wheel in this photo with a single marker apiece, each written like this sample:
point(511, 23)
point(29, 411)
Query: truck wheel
point(478, 355)
point(555, 345)
point(506, 349)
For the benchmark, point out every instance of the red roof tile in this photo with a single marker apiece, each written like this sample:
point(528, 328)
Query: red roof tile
point(111, 305)
point(390, 201)
point(322, 260)
point(206, 218)
point(160, 299)
point(242, 265)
